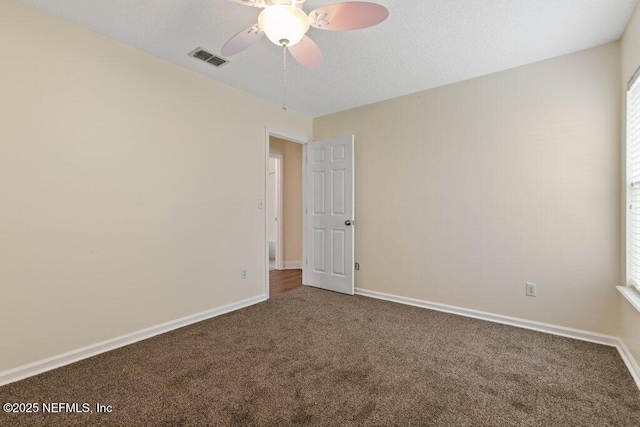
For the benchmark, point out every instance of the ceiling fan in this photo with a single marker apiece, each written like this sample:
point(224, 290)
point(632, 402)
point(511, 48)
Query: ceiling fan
point(286, 24)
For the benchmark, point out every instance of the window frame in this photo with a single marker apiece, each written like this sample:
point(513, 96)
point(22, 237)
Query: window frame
point(633, 84)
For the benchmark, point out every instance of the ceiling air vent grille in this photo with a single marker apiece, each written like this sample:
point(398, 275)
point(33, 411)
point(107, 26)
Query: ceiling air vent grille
point(210, 58)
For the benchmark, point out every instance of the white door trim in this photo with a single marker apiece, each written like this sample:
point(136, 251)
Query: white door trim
point(269, 132)
point(279, 232)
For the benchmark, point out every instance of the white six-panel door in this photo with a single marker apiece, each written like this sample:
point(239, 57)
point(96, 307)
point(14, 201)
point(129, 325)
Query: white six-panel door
point(330, 225)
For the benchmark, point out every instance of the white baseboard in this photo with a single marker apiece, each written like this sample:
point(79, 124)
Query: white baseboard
point(496, 318)
point(628, 359)
point(54, 362)
point(578, 334)
point(292, 265)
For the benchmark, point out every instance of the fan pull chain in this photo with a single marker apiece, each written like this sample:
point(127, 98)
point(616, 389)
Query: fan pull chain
point(284, 77)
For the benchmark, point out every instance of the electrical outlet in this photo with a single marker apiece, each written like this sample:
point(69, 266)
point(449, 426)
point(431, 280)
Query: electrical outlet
point(243, 273)
point(532, 289)
point(357, 266)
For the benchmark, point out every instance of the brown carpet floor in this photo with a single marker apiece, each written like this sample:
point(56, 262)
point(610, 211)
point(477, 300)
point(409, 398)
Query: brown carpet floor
point(311, 357)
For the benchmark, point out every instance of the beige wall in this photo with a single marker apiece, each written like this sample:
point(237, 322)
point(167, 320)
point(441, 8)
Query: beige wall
point(630, 49)
point(467, 191)
point(123, 202)
point(292, 200)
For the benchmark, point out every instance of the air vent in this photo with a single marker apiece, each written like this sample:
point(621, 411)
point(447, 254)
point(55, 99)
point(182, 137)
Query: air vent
point(210, 58)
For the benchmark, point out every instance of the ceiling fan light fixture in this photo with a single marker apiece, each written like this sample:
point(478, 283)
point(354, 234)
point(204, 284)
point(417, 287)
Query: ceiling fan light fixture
point(284, 25)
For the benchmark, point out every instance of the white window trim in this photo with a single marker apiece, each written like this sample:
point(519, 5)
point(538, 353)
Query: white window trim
point(632, 290)
point(631, 295)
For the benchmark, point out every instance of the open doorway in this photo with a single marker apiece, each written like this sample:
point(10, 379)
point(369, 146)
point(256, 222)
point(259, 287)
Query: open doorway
point(284, 215)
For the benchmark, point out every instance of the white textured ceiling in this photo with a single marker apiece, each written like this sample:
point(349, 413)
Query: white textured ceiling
point(423, 44)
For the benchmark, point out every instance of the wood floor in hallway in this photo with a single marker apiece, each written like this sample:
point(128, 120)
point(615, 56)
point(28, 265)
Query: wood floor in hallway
point(282, 281)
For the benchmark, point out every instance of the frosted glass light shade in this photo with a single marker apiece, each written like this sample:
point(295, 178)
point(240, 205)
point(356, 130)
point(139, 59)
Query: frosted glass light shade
point(284, 24)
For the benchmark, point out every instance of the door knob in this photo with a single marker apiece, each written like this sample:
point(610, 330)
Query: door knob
point(347, 222)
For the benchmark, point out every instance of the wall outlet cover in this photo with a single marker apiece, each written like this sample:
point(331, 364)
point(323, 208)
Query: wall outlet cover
point(532, 289)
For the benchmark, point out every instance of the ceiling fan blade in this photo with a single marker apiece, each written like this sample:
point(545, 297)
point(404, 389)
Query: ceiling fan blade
point(348, 16)
point(242, 40)
point(307, 53)
point(252, 3)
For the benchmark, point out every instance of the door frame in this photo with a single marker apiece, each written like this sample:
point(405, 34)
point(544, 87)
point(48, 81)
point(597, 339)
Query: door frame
point(269, 132)
point(279, 158)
